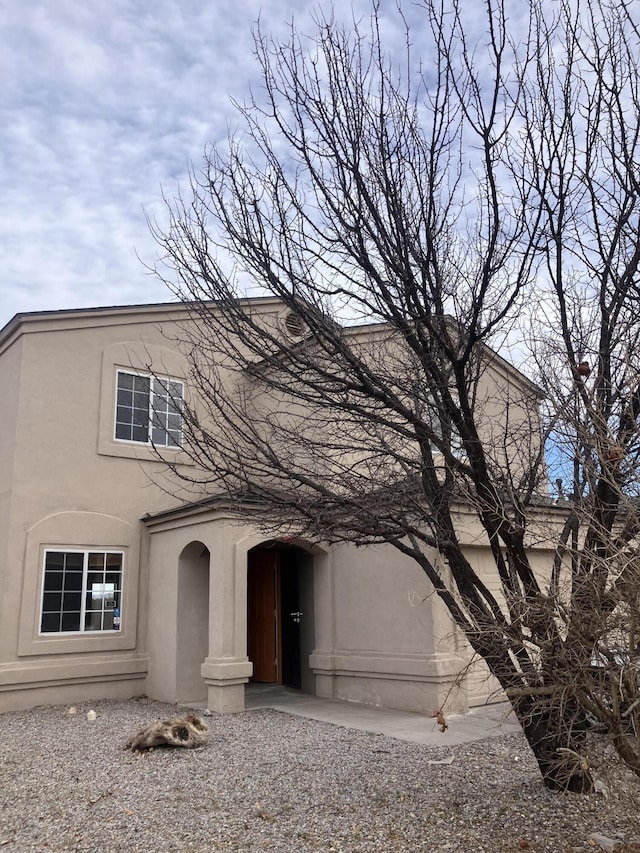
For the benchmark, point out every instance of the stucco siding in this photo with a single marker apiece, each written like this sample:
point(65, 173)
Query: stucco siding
point(58, 491)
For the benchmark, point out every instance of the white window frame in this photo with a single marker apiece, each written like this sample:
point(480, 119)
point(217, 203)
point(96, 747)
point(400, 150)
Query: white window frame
point(152, 411)
point(457, 449)
point(83, 594)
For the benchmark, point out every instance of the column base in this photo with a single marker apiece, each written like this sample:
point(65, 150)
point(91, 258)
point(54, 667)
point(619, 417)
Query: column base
point(225, 682)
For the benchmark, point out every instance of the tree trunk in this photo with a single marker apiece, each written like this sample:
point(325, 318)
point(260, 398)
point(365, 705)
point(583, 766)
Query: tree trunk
point(556, 734)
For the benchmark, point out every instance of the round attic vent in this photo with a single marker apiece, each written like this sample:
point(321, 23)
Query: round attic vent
point(294, 324)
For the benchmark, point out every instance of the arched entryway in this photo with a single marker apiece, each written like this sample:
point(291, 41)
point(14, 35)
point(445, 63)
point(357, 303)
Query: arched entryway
point(280, 615)
point(192, 639)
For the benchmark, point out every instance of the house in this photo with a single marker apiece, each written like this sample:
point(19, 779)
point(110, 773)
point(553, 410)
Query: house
point(113, 583)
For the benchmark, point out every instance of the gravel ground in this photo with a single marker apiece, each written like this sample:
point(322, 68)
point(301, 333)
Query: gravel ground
point(272, 781)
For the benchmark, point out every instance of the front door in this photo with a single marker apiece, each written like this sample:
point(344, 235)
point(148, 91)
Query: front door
point(273, 616)
point(263, 593)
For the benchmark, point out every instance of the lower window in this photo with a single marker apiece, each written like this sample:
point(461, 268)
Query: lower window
point(82, 591)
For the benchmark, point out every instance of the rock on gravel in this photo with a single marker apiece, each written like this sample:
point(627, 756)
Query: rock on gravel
point(272, 781)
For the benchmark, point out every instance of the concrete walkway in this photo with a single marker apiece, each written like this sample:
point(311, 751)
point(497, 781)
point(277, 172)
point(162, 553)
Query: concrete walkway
point(488, 721)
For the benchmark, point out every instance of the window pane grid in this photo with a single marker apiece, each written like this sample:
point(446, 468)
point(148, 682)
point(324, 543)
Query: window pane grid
point(81, 589)
point(148, 410)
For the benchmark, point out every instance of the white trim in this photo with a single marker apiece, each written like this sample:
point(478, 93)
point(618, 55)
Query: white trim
point(61, 549)
point(152, 394)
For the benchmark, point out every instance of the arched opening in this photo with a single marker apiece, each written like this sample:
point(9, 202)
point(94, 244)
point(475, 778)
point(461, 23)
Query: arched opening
point(193, 622)
point(280, 615)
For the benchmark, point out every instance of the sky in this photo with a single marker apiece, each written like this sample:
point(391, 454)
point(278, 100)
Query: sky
point(103, 105)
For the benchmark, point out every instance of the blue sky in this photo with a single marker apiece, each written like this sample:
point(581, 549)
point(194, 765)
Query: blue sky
point(103, 104)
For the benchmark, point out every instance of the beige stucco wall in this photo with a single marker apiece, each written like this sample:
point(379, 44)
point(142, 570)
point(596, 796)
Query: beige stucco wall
point(65, 481)
point(379, 635)
point(391, 643)
point(506, 414)
point(73, 485)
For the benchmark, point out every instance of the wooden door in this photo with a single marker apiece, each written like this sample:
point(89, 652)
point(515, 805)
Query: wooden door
point(263, 614)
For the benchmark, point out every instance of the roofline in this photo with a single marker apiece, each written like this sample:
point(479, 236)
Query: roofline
point(507, 365)
point(20, 320)
point(25, 318)
point(194, 508)
point(222, 503)
point(385, 326)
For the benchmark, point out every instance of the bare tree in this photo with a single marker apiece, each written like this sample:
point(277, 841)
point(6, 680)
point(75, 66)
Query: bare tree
point(415, 220)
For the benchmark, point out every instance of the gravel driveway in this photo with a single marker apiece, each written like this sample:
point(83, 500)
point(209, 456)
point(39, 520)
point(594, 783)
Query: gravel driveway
point(272, 781)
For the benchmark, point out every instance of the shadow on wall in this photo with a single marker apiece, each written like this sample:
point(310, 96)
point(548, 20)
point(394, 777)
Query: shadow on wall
point(192, 622)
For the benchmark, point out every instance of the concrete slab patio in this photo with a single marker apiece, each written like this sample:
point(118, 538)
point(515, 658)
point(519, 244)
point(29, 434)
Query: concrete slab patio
point(480, 723)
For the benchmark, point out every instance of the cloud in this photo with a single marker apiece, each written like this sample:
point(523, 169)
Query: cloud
point(102, 105)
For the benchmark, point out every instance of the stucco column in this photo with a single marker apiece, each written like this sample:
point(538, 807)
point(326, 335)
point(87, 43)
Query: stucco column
point(322, 658)
point(227, 669)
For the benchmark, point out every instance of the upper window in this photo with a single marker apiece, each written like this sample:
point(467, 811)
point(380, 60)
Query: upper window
point(149, 409)
point(81, 591)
